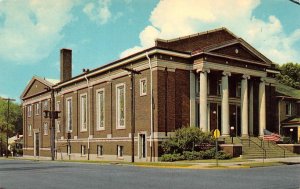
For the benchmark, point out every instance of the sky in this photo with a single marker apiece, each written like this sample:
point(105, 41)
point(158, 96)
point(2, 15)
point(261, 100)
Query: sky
point(32, 32)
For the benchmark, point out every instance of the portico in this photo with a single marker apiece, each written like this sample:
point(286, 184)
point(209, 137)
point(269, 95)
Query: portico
point(226, 100)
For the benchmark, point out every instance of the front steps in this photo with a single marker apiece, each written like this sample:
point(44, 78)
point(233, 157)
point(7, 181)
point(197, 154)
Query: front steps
point(255, 148)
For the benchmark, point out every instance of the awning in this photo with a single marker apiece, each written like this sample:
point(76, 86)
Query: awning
point(293, 121)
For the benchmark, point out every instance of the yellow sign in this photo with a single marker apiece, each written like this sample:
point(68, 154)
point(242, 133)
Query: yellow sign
point(216, 133)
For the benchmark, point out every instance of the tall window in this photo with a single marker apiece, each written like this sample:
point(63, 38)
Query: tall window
point(99, 150)
point(45, 105)
point(120, 106)
point(83, 150)
point(143, 87)
point(83, 112)
point(288, 108)
point(120, 150)
point(45, 128)
point(238, 89)
point(37, 108)
point(69, 115)
point(57, 126)
point(57, 106)
point(29, 110)
point(29, 130)
point(100, 109)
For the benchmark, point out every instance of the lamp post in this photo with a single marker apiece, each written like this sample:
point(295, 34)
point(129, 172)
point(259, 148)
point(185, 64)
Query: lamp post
point(7, 122)
point(231, 133)
point(291, 134)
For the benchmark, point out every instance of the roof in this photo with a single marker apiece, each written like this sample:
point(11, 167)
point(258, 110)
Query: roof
point(291, 121)
point(48, 82)
point(284, 90)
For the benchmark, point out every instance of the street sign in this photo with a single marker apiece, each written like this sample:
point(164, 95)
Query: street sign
point(216, 133)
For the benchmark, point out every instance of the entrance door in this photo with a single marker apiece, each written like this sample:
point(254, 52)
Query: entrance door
point(142, 146)
point(36, 144)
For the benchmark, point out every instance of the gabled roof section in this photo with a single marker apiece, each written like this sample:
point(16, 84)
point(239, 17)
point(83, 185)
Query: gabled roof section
point(244, 49)
point(47, 82)
point(200, 40)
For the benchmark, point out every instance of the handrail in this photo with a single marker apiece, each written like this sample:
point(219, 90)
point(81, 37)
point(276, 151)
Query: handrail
point(275, 144)
point(260, 146)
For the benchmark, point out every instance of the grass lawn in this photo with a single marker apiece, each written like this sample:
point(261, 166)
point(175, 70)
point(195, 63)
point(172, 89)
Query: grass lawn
point(233, 160)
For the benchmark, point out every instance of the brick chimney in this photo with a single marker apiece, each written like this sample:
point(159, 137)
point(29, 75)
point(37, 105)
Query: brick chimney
point(65, 64)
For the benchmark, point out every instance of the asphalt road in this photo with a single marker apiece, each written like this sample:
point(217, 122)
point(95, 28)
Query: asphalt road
point(16, 174)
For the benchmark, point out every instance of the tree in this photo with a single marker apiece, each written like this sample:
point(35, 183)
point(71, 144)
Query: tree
point(15, 121)
point(289, 74)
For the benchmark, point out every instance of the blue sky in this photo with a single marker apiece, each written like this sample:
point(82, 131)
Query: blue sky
point(99, 31)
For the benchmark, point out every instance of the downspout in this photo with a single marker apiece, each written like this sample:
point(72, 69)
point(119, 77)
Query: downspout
point(151, 108)
point(88, 102)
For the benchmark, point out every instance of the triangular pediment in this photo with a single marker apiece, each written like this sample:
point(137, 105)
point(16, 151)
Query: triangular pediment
point(36, 86)
point(238, 49)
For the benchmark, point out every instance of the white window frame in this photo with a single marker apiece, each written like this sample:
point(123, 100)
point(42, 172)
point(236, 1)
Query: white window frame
point(142, 92)
point(45, 104)
point(83, 150)
point(69, 121)
point(118, 105)
point(99, 150)
point(37, 108)
point(57, 126)
point(69, 150)
point(120, 151)
point(29, 130)
point(45, 128)
point(57, 106)
point(100, 127)
point(219, 88)
point(29, 111)
point(83, 112)
point(288, 106)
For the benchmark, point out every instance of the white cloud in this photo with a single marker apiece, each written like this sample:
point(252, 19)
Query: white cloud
point(174, 18)
point(30, 29)
point(98, 11)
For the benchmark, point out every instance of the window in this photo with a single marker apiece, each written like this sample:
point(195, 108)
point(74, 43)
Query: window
point(29, 130)
point(57, 126)
point(143, 87)
point(100, 109)
point(120, 151)
point(45, 105)
point(29, 110)
point(219, 89)
point(58, 106)
point(69, 115)
point(120, 106)
point(99, 150)
point(83, 150)
point(288, 108)
point(69, 150)
point(37, 108)
point(45, 128)
point(238, 89)
point(83, 112)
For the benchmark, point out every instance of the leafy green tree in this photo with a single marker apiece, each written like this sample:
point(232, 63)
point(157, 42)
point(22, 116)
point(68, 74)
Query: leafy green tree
point(289, 74)
point(15, 121)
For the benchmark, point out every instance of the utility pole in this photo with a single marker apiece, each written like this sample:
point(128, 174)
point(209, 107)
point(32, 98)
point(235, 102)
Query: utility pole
point(53, 116)
point(132, 73)
point(7, 123)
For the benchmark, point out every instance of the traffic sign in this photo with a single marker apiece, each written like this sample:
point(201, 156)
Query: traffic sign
point(216, 133)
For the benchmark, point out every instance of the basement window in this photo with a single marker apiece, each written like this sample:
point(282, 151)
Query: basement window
point(120, 151)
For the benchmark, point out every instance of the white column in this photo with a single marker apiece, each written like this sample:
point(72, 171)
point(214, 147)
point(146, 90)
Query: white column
point(203, 100)
point(251, 110)
point(225, 104)
point(262, 107)
point(244, 105)
point(192, 99)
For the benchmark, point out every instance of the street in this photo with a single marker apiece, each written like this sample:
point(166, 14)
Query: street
point(16, 174)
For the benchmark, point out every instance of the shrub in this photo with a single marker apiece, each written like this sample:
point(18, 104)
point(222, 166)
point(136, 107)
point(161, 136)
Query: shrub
point(223, 155)
point(186, 139)
point(192, 155)
point(172, 157)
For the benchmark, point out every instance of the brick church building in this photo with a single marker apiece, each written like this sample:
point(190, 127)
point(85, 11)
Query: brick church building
point(124, 109)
